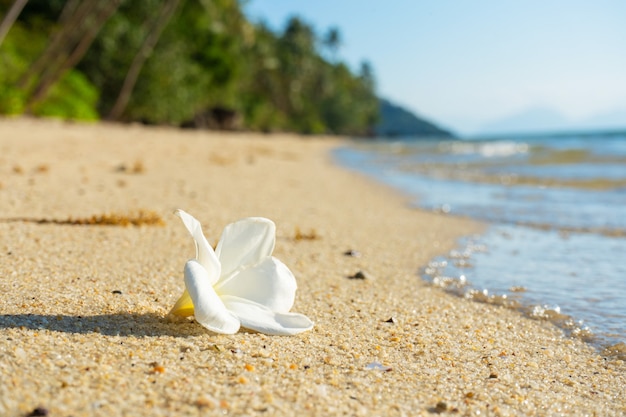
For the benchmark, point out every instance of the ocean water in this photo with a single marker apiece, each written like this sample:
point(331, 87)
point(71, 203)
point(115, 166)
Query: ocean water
point(555, 246)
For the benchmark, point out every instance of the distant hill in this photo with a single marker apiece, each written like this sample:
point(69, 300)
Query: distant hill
point(535, 119)
point(398, 121)
point(546, 120)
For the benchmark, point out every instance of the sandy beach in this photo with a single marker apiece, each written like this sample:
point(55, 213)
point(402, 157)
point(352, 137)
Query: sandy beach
point(83, 327)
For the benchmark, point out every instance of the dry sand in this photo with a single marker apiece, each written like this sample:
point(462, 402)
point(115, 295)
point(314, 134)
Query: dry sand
point(82, 327)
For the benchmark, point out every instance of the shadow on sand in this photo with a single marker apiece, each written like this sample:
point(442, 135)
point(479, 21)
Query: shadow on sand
point(119, 324)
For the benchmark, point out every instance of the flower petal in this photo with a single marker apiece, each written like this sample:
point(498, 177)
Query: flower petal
point(184, 306)
point(209, 310)
point(204, 252)
point(257, 317)
point(245, 243)
point(269, 283)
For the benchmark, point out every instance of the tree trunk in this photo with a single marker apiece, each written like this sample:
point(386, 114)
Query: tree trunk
point(85, 37)
point(165, 14)
point(72, 17)
point(10, 17)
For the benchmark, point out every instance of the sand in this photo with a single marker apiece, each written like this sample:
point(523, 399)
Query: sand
point(82, 318)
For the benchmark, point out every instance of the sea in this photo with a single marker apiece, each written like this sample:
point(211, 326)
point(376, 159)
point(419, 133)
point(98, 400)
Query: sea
point(555, 208)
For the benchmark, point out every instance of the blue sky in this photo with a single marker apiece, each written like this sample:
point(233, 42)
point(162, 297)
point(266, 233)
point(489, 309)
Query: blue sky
point(482, 65)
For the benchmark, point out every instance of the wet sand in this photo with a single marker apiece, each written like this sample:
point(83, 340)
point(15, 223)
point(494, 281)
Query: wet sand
point(82, 319)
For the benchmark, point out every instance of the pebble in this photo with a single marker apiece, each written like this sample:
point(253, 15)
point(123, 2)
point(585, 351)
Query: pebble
point(360, 275)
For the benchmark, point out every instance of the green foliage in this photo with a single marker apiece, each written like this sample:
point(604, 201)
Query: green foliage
point(16, 52)
point(73, 97)
point(208, 57)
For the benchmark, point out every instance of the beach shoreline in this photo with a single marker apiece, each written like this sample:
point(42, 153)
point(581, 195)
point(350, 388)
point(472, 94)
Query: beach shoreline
point(82, 322)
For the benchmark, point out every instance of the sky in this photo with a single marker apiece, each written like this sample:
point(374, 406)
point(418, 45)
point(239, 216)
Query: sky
point(482, 66)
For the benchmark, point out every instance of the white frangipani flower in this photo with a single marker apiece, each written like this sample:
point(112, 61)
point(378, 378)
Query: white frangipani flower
point(240, 283)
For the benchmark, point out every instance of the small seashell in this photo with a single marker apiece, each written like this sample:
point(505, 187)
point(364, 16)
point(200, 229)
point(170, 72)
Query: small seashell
point(377, 366)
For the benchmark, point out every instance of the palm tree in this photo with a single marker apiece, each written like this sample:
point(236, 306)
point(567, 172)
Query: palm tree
point(165, 14)
point(10, 17)
point(333, 42)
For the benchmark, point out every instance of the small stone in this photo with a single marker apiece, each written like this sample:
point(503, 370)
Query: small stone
point(493, 376)
point(116, 292)
point(391, 320)
point(353, 253)
point(359, 275)
point(39, 411)
point(441, 407)
point(156, 368)
point(205, 402)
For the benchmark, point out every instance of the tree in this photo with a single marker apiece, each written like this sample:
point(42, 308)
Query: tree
point(71, 44)
point(165, 14)
point(332, 41)
point(179, 62)
point(10, 18)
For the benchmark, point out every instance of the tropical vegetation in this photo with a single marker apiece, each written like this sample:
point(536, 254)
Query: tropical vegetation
point(198, 63)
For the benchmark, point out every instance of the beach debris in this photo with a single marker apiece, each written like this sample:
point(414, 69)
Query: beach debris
point(138, 167)
point(353, 253)
point(137, 218)
point(440, 407)
point(38, 412)
point(42, 168)
point(219, 159)
point(156, 368)
point(240, 283)
point(205, 402)
point(359, 275)
point(391, 320)
point(300, 235)
point(377, 366)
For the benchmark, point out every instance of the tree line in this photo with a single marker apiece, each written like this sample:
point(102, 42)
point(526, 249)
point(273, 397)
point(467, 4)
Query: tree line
point(198, 63)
